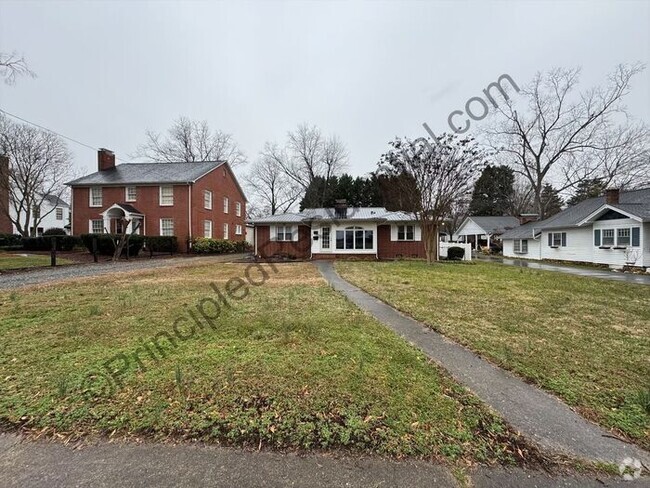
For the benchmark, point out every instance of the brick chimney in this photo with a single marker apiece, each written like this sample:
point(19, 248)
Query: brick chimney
point(341, 208)
point(105, 159)
point(525, 218)
point(611, 196)
point(5, 223)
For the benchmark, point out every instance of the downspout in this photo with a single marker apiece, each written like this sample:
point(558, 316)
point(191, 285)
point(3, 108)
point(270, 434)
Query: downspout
point(189, 213)
point(255, 238)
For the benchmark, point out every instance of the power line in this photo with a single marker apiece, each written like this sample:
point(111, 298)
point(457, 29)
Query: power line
point(54, 132)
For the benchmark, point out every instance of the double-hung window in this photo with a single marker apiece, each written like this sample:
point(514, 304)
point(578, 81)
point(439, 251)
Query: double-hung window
point(207, 199)
point(238, 230)
point(557, 239)
point(623, 236)
point(521, 246)
point(166, 227)
point(283, 233)
point(95, 196)
point(97, 226)
point(405, 232)
point(131, 194)
point(207, 228)
point(59, 213)
point(225, 231)
point(166, 196)
point(608, 237)
point(238, 209)
point(225, 204)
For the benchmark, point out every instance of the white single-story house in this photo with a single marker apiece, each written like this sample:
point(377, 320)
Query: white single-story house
point(482, 230)
point(341, 231)
point(613, 229)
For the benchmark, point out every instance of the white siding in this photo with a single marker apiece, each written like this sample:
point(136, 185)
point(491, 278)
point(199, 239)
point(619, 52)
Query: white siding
point(48, 220)
point(469, 228)
point(618, 257)
point(579, 245)
point(645, 243)
point(533, 249)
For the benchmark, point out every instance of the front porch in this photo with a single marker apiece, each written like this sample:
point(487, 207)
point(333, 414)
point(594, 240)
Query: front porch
point(120, 214)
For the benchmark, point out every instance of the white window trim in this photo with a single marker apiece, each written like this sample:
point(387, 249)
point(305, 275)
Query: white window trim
point(161, 226)
point(90, 196)
point(207, 199)
point(126, 194)
point(56, 213)
point(238, 230)
point(90, 226)
point(160, 196)
point(613, 237)
point(353, 249)
point(226, 232)
point(238, 209)
point(293, 229)
point(209, 232)
point(405, 239)
point(629, 236)
point(226, 205)
point(518, 246)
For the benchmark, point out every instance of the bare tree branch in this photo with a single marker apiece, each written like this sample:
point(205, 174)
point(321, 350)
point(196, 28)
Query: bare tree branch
point(191, 141)
point(12, 66)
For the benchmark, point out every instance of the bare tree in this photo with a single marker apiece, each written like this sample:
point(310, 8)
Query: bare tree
point(190, 141)
point(270, 185)
point(557, 136)
point(39, 164)
point(438, 176)
point(308, 154)
point(520, 201)
point(12, 66)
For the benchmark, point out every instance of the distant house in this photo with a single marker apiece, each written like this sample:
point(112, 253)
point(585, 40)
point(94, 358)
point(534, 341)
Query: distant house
point(342, 231)
point(54, 213)
point(613, 229)
point(187, 200)
point(484, 230)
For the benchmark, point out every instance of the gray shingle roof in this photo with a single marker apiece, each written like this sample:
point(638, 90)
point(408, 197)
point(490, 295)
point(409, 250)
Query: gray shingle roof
point(148, 174)
point(55, 201)
point(379, 214)
point(495, 225)
point(526, 231)
point(636, 202)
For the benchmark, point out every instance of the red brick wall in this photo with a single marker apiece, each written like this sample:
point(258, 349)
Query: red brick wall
point(147, 202)
point(222, 183)
point(394, 249)
point(300, 249)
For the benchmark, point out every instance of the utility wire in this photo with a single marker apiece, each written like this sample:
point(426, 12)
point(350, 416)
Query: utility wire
point(54, 132)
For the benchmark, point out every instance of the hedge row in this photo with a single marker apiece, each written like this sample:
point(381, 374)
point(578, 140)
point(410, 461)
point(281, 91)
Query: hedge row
point(161, 243)
point(44, 243)
point(10, 240)
point(455, 253)
point(106, 246)
point(205, 245)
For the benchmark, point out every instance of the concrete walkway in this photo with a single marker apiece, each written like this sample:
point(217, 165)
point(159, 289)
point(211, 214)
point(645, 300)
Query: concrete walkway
point(538, 415)
point(50, 465)
point(641, 279)
point(44, 275)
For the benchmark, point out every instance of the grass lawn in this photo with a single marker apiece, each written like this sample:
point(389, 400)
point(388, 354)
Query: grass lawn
point(16, 261)
point(290, 365)
point(586, 340)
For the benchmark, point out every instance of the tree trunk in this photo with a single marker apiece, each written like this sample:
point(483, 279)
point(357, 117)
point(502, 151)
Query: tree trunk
point(430, 239)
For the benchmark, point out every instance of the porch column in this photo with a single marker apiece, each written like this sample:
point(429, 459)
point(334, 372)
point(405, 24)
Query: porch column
point(107, 224)
point(488, 241)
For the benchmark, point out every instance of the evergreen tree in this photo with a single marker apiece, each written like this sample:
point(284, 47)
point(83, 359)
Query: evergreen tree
point(493, 191)
point(551, 201)
point(589, 188)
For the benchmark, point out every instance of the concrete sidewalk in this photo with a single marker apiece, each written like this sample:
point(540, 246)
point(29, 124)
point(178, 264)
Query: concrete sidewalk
point(601, 274)
point(51, 465)
point(539, 416)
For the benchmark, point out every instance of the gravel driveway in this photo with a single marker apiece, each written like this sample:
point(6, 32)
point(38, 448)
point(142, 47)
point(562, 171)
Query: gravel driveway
point(62, 273)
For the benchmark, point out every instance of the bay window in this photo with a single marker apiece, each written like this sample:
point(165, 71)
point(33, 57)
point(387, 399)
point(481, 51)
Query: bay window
point(354, 238)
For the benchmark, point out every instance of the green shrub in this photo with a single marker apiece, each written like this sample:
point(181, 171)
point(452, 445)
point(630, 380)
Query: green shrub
point(205, 245)
point(242, 246)
point(44, 243)
point(55, 231)
point(455, 253)
point(161, 243)
point(10, 240)
point(106, 247)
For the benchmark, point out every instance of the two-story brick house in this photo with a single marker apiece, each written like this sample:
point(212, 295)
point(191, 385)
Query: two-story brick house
point(188, 200)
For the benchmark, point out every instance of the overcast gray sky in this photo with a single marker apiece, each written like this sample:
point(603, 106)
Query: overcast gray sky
point(367, 71)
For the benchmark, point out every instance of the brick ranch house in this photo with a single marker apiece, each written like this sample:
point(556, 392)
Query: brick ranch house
point(187, 200)
point(328, 233)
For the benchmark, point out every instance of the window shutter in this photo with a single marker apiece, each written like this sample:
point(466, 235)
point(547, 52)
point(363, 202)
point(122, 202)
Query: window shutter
point(273, 232)
point(597, 237)
point(294, 233)
point(550, 238)
point(418, 232)
point(393, 232)
point(636, 236)
point(563, 239)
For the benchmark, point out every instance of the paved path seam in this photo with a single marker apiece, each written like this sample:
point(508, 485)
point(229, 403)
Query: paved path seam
point(538, 415)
